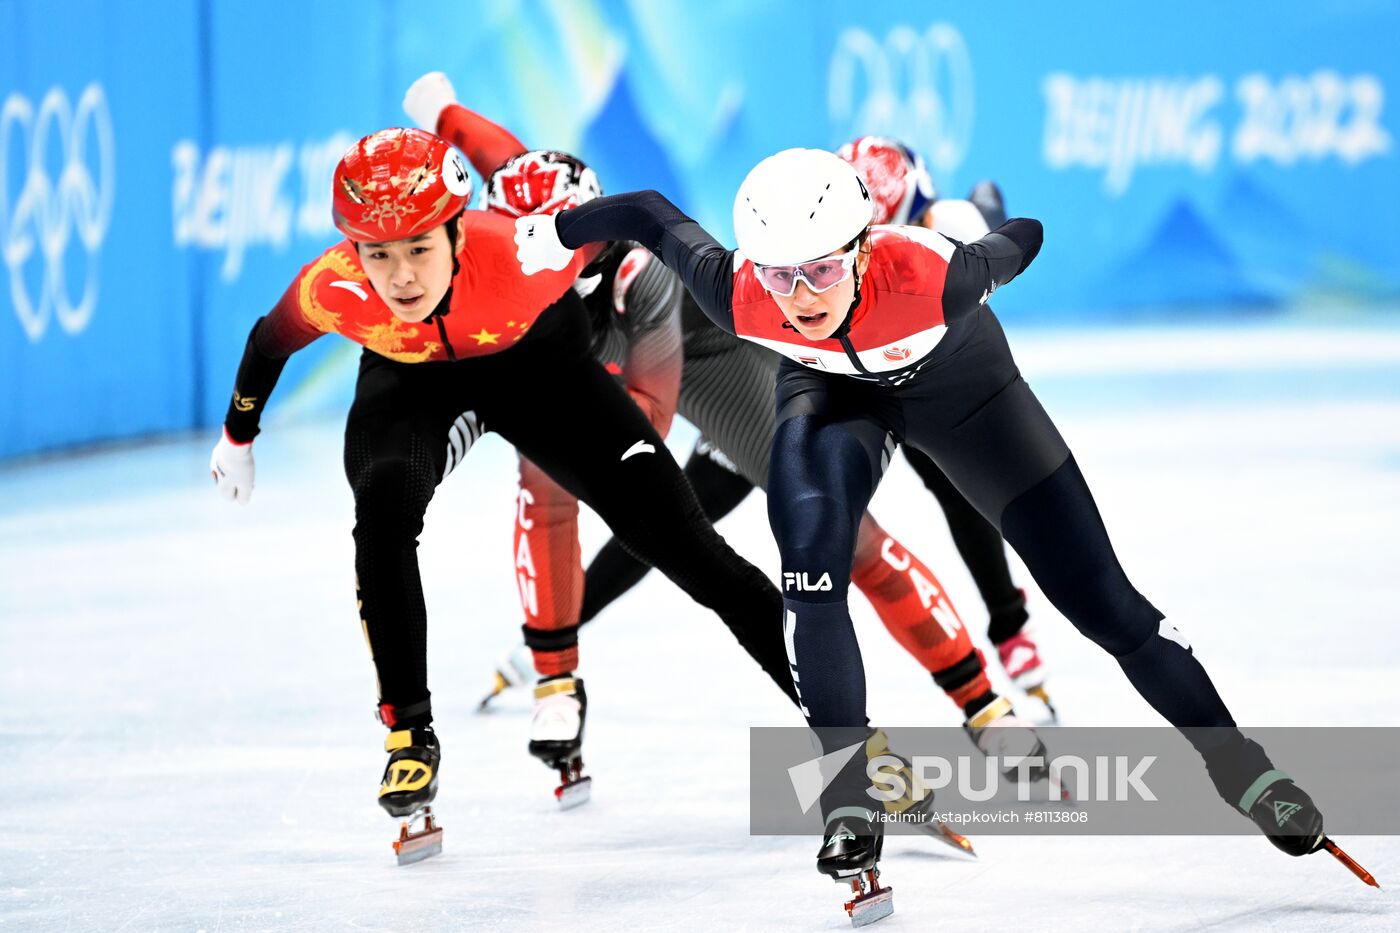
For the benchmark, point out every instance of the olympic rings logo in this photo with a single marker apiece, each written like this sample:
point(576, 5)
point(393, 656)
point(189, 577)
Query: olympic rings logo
point(42, 217)
point(917, 88)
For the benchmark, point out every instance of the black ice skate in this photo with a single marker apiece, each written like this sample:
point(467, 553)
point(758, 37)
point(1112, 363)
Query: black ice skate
point(849, 853)
point(1281, 809)
point(556, 736)
point(1288, 818)
point(409, 785)
point(1292, 822)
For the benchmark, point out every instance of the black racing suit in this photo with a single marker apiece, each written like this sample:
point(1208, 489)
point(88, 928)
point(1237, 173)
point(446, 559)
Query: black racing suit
point(558, 406)
point(965, 405)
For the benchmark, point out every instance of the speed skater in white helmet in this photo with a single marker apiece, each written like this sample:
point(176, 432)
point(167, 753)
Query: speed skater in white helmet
point(906, 349)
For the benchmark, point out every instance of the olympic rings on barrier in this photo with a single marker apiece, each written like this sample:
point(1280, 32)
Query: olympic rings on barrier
point(915, 87)
point(41, 218)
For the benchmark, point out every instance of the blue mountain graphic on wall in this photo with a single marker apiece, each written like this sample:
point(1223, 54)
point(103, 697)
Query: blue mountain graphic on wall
point(1289, 254)
point(624, 152)
point(1184, 263)
point(1267, 237)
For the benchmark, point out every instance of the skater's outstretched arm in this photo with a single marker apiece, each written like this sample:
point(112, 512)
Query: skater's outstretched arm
point(432, 103)
point(275, 336)
point(486, 144)
point(977, 269)
point(706, 268)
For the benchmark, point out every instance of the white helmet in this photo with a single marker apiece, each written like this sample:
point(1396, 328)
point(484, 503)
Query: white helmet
point(797, 205)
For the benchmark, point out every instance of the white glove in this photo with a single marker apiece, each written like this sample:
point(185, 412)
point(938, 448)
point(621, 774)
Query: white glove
point(231, 465)
point(537, 244)
point(427, 98)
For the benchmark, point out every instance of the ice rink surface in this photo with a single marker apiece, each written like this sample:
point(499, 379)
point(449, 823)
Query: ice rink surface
point(186, 698)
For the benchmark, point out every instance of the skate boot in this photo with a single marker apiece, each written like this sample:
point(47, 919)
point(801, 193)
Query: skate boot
point(1021, 659)
point(916, 805)
point(1288, 818)
point(556, 736)
point(515, 668)
point(999, 733)
point(409, 785)
point(849, 853)
point(1281, 809)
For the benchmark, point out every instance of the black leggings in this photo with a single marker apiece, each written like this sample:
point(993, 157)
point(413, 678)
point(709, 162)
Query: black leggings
point(560, 408)
point(980, 546)
point(613, 571)
point(975, 417)
point(727, 392)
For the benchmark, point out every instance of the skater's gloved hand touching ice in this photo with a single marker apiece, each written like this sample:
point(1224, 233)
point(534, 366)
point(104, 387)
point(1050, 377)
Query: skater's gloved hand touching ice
point(427, 98)
point(231, 466)
point(537, 244)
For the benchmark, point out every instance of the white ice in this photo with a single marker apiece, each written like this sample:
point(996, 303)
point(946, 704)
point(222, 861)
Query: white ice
point(186, 740)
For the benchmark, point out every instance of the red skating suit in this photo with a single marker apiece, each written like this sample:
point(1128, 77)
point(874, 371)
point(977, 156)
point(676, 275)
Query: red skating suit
point(493, 302)
point(896, 326)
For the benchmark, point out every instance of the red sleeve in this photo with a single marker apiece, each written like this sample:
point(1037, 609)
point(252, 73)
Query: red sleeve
point(285, 329)
point(491, 274)
point(275, 336)
point(486, 144)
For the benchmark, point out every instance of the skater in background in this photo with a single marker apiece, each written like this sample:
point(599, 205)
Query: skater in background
point(887, 334)
point(450, 323)
point(726, 390)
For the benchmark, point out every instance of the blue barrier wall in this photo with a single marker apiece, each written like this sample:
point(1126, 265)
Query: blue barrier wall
point(166, 167)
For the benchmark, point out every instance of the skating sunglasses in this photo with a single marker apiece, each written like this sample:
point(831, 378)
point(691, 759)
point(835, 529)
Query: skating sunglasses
point(819, 274)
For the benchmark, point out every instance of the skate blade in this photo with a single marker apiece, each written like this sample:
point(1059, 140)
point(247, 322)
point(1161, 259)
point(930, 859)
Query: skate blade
point(574, 794)
point(500, 686)
point(1349, 862)
point(944, 833)
point(868, 908)
point(413, 847)
point(1038, 691)
point(1066, 797)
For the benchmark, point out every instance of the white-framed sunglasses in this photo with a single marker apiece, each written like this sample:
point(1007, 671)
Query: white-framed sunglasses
point(819, 274)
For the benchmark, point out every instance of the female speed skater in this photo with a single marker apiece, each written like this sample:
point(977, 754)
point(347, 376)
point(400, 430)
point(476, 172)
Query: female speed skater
point(718, 367)
point(887, 334)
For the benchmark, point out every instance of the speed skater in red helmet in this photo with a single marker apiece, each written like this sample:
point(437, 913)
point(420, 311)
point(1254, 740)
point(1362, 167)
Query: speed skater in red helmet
point(449, 322)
